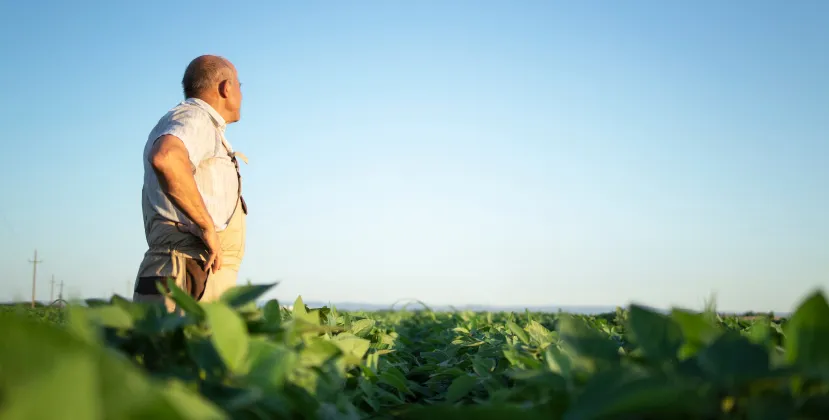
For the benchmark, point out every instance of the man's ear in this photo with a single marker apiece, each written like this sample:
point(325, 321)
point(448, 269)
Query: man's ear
point(224, 88)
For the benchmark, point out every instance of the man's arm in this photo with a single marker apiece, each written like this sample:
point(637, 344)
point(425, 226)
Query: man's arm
point(171, 163)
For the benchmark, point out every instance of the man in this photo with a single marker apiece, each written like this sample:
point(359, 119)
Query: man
point(194, 213)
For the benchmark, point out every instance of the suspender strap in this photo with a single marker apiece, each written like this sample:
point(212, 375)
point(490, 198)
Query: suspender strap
point(233, 156)
point(231, 153)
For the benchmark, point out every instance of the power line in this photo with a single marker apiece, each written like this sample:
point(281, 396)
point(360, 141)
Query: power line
point(34, 263)
point(52, 292)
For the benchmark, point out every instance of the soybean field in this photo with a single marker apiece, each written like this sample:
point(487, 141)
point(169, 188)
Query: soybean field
point(234, 359)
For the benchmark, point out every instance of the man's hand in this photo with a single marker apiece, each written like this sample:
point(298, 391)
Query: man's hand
point(214, 247)
point(171, 163)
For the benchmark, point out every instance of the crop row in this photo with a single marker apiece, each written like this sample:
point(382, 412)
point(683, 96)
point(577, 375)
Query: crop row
point(231, 359)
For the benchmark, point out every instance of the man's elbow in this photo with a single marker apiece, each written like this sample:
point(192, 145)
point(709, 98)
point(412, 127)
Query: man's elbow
point(162, 161)
point(165, 156)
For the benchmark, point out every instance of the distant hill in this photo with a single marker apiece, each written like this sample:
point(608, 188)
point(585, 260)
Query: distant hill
point(573, 309)
point(361, 306)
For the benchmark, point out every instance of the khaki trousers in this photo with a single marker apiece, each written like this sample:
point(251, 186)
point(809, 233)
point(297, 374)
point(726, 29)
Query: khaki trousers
point(171, 249)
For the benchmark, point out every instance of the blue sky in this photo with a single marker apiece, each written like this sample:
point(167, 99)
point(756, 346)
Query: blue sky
point(532, 152)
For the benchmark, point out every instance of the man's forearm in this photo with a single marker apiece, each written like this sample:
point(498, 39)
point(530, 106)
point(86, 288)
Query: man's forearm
point(182, 190)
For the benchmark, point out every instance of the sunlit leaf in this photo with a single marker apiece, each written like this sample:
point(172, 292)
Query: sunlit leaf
point(229, 334)
point(241, 295)
point(362, 327)
point(518, 331)
point(807, 333)
point(183, 299)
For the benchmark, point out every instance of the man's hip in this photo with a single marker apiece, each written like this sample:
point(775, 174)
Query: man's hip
point(174, 253)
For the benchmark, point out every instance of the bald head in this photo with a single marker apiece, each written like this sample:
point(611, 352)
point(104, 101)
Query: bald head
point(205, 72)
point(214, 80)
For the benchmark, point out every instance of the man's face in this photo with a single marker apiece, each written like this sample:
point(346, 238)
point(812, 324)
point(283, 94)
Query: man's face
point(234, 96)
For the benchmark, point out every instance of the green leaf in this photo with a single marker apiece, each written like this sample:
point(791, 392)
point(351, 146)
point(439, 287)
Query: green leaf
point(299, 307)
point(461, 386)
point(169, 322)
point(362, 327)
point(30, 371)
point(95, 302)
point(487, 412)
point(695, 326)
point(617, 393)
point(772, 407)
point(71, 386)
point(204, 353)
point(587, 344)
point(483, 367)
point(760, 332)
point(229, 336)
point(184, 300)
point(302, 314)
point(318, 352)
point(521, 359)
point(352, 345)
point(522, 335)
point(80, 326)
point(270, 363)
point(659, 336)
point(42, 362)
point(190, 405)
point(539, 334)
point(135, 310)
point(388, 397)
point(239, 296)
point(558, 362)
point(814, 407)
point(807, 333)
point(273, 313)
point(697, 331)
point(110, 316)
point(451, 372)
point(733, 360)
point(396, 379)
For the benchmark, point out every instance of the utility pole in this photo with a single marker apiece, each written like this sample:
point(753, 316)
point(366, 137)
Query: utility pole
point(52, 292)
point(60, 295)
point(34, 262)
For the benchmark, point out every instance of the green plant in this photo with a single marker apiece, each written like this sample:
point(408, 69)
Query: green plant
point(231, 359)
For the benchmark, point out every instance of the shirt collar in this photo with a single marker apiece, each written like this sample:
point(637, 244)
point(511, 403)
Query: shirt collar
point(217, 119)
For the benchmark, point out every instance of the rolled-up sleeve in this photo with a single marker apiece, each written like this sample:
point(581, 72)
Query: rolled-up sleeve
point(189, 126)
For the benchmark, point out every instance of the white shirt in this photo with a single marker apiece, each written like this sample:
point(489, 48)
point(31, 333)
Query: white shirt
point(201, 129)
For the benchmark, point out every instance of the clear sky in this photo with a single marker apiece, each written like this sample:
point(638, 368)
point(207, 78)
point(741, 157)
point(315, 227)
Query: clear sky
point(487, 152)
